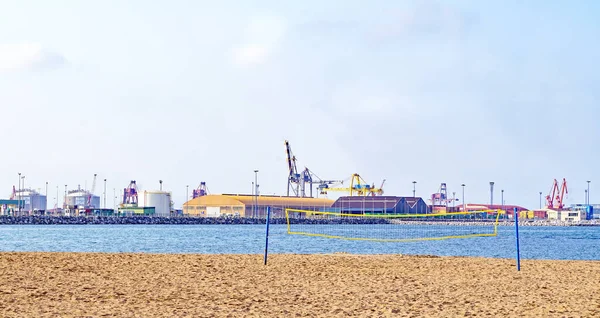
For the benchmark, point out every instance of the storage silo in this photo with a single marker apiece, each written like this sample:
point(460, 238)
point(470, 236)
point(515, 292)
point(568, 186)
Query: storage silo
point(159, 200)
point(80, 198)
point(31, 200)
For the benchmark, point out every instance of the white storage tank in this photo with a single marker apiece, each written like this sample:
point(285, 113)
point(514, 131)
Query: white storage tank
point(80, 198)
point(159, 200)
point(31, 200)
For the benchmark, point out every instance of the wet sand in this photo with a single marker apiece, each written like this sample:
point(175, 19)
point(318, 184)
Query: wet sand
point(148, 285)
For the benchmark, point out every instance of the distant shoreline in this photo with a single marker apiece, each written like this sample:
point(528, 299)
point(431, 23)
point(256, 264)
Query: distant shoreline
point(185, 220)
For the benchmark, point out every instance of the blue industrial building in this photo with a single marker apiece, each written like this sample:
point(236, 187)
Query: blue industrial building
point(380, 205)
point(593, 213)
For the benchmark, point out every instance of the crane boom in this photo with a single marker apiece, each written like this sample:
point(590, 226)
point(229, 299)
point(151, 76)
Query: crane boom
point(89, 201)
point(293, 175)
point(358, 187)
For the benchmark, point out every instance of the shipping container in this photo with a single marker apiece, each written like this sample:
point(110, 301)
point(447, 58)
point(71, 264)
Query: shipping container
point(540, 214)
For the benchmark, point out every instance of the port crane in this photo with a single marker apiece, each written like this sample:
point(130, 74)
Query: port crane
point(293, 175)
point(202, 190)
point(91, 193)
point(441, 197)
point(130, 194)
point(358, 187)
point(298, 182)
point(555, 197)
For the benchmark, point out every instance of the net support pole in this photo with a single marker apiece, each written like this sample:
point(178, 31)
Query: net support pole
point(517, 239)
point(267, 234)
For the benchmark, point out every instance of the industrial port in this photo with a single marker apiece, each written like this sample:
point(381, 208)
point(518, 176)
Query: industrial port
point(305, 190)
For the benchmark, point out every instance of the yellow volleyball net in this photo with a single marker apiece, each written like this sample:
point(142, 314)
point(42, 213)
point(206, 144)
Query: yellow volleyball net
point(391, 227)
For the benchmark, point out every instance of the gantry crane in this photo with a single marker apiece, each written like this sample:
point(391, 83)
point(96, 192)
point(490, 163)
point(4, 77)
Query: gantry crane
point(91, 194)
point(298, 182)
point(555, 198)
point(293, 175)
point(358, 187)
point(130, 194)
point(201, 191)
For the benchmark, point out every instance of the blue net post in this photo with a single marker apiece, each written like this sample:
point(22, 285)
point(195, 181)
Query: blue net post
point(517, 239)
point(267, 234)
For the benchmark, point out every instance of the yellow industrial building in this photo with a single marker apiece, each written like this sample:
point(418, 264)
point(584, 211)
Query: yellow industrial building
point(215, 205)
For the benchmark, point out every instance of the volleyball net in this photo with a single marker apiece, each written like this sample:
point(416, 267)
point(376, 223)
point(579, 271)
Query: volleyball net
point(391, 227)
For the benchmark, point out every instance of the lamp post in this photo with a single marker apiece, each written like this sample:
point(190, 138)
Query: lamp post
point(502, 199)
point(46, 209)
point(414, 188)
point(19, 196)
point(23, 189)
point(160, 181)
point(586, 195)
point(104, 195)
point(588, 192)
point(540, 200)
point(187, 196)
point(65, 205)
point(491, 192)
point(255, 209)
point(463, 197)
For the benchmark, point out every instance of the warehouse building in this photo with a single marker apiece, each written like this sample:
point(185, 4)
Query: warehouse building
point(250, 206)
point(380, 204)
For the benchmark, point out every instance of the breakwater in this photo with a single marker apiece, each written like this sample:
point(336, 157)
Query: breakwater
point(177, 220)
point(183, 220)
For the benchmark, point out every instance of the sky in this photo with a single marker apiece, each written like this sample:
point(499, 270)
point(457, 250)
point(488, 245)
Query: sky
point(189, 91)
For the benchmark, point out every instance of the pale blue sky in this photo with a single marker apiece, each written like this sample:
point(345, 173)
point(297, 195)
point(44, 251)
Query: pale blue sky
point(189, 91)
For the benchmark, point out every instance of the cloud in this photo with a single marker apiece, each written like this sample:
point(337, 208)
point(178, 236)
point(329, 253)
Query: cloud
point(27, 57)
point(262, 35)
point(427, 18)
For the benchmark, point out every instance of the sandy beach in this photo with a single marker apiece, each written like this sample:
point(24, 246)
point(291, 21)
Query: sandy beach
point(149, 285)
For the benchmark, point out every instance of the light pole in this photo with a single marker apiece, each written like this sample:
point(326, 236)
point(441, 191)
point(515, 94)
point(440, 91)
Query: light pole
point(463, 197)
point(540, 200)
point(255, 212)
point(23, 189)
point(46, 197)
point(502, 200)
point(19, 196)
point(588, 192)
point(586, 195)
point(187, 192)
point(104, 199)
point(160, 181)
point(414, 188)
point(65, 205)
point(491, 192)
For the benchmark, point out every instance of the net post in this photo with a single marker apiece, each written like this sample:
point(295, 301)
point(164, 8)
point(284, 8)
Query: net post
point(517, 239)
point(267, 234)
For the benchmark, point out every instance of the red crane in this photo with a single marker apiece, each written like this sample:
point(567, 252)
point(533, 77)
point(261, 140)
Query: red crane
point(555, 198)
point(563, 191)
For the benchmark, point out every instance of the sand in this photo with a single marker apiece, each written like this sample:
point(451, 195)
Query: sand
point(148, 285)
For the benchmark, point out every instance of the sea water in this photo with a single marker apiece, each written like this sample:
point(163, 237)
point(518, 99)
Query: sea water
point(564, 243)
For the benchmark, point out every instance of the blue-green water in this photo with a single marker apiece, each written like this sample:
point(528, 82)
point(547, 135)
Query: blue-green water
point(581, 243)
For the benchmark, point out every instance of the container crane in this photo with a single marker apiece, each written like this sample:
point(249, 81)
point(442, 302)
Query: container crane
point(322, 185)
point(201, 191)
point(293, 175)
point(555, 197)
point(130, 194)
point(298, 182)
point(358, 187)
point(91, 193)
